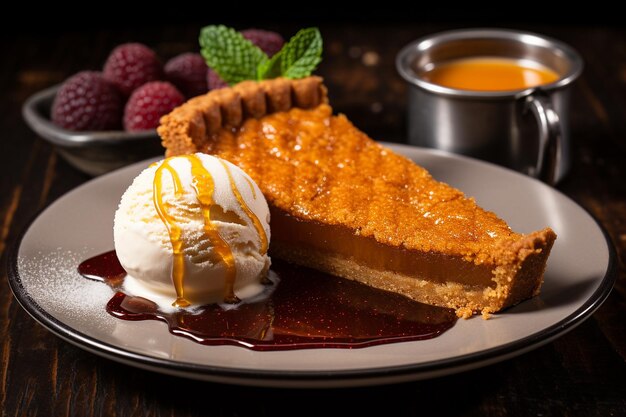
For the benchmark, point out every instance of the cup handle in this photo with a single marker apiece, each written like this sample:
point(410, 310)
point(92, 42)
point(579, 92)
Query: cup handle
point(549, 136)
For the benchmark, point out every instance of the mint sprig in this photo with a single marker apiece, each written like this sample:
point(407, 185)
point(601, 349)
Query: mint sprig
point(236, 59)
point(231, 55)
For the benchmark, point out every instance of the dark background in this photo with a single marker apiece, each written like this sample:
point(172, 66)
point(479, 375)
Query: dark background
point(54, 18)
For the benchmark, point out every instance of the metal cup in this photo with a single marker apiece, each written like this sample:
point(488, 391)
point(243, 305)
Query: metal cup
point(527, 130)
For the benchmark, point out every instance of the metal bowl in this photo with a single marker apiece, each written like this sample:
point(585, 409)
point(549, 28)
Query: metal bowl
point(94, 153)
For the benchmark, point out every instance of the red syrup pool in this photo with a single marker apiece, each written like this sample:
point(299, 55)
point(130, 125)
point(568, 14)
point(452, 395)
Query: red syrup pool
point(305, 309)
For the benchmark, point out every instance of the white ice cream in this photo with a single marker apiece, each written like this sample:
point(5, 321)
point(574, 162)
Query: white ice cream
point(144, 245)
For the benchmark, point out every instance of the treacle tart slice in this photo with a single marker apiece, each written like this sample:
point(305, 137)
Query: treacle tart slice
point(348, 206)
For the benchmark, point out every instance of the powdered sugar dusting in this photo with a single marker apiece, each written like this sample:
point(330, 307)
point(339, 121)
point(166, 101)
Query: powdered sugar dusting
point(56, 286)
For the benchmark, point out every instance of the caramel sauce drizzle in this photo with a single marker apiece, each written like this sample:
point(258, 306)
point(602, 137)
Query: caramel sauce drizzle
point(251, 187)
point(204, 186)
point(253, 218)
point(173, 229)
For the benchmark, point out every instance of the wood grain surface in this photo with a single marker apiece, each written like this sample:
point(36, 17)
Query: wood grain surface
point(580, 374)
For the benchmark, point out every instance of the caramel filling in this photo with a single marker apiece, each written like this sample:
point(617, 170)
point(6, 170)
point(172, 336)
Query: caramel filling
point(431, 266)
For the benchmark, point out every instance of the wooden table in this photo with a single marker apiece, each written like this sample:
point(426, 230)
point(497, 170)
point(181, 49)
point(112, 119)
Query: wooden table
point(582, 373)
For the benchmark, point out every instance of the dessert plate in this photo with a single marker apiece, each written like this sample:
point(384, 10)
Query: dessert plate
point(579, 277)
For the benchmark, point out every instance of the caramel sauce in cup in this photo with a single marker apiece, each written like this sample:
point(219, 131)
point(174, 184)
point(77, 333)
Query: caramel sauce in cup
point(490, 74)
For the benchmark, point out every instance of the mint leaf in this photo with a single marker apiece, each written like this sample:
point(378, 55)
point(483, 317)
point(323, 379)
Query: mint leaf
point(231, 55)
point(301, 55)
point(271, 68)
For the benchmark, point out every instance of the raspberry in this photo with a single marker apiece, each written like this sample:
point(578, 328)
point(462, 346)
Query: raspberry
point(269, 42)
point(188, 73)
point(131, 65)
point(148, 103)
point(214, 81)
point(86, 101)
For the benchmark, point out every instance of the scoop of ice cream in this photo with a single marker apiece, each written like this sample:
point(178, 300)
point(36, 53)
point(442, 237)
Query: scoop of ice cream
point(193, 229)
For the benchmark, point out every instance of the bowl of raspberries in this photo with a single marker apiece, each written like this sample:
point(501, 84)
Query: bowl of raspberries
point(102, 120)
